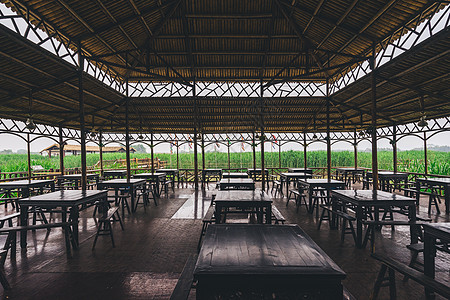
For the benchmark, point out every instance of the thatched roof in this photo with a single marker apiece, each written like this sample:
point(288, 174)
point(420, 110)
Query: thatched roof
point(235, 41)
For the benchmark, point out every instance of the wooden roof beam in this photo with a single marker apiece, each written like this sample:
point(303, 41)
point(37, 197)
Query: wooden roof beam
point(314, 15)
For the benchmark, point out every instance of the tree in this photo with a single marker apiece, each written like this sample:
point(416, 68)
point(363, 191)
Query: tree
point(139, 148)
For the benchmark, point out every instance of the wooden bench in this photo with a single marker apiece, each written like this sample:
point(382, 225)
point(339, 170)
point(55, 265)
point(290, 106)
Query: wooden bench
point(346, 219)
point(105, 224)
point(432, 200)
point(9, 219)
point(277, 217)
point(394, 265)
point(3, 279)
point(371, 224)
point(184, 284)
point(276, 185)
point(298, 197)
point(209, 218)
point(11, 240)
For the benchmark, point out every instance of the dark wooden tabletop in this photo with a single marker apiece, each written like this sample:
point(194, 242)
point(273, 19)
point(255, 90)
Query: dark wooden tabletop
point(435, 180)
point(235, 174)
point(440, 230)
point(297, 174)
point(149, 175)
point(236, 180)
point(24, 183)
point(235, 249)
point(350, 169)
point(167, 170)
point(77, 176)
point(120, 172)
point(63, 198)
point(305, 170)
point(242, 195)
point(371, 197)
point(389, 173)
point(321, 181)
point(122, 181)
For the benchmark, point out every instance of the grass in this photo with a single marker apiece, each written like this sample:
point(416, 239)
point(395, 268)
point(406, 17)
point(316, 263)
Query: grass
point(410, 161)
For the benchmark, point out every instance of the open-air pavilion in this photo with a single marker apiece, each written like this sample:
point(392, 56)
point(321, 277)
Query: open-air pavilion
point(206, 73)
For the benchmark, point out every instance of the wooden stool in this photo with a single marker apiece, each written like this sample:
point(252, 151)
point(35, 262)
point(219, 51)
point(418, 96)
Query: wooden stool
point(105, 224)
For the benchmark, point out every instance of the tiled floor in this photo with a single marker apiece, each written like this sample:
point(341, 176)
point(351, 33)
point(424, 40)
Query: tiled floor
point(151, 252)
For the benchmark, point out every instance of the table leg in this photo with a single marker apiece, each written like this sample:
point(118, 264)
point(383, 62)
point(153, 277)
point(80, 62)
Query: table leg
point(218, 213)
point(413, 228)
point(429, 255)
point(359, 218)
point(269, 214)
point(23, 222)
point(132, 194)
point(418, 192)
point(74, 214)
point(310, 191)
point(447, 198)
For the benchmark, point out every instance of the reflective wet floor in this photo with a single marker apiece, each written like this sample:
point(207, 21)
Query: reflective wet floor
point(150, 254)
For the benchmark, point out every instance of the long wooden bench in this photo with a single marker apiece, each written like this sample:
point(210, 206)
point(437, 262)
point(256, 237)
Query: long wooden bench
point(277, 217)
point(11, 240)
point(207, 219)
point(372, 224)
point(105, 224)
point(184, 284)
point(393, 265)
point(9, 219)
point(346, 219)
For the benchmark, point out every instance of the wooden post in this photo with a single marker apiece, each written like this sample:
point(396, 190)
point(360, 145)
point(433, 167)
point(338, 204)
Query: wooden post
point(305, 145)
point(61, 151)
point(279, 154)
point(203, 153)
point(152, 153)
point(29, 157)
point(178, 158)
point(425, 152)
point(100, 143)
point(195, 160)
point(228, 149)
point(127, 136)
point(263, 171)
point(394, 146)
point(355, 148)
point(328, 138)
point(254, 150)
point(82, 123)
point(374, 123)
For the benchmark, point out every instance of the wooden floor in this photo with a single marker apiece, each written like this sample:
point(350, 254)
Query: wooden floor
point(150, 254)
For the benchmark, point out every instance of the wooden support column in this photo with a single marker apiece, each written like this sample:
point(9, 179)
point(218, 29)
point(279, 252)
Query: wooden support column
point(394, 146)
point(263, 137)
point(355, 148)
point(195, 160)
point(100, 143)
point(254, 150)
point(178, 157)
point(203, 153)
point(279, 154)
point(374, 122)
point(152, 153)
point(29, 156)
point(425, 152)
point(82, 123)
point(61, 151)
point(127, 137)
point(228, 149)
point(305, 146)
point(328, 138)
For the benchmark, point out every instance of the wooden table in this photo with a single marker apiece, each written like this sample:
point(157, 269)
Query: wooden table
point(207, 174)
point(114, 173)
point(156, 178)
point(234, 175)
point(24, 186)
point(171, 173)
point(442, 182)
point(288, 177)
point(256, 175)
point(264, 262)
point(385, 178)
point(75, 179)
point(132, 185)
point(302, 170)
point(433, 232)
point(237, 184)
point(343, 174)
point(312, 184)
point(66, 199)
point(366, 199)
point(255, 200)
